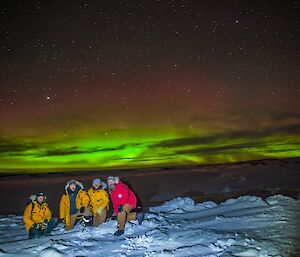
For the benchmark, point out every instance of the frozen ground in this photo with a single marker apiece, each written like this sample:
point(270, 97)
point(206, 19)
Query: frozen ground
point(246, 226)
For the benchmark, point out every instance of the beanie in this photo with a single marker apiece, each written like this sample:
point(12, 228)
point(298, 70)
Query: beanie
point(96, 181)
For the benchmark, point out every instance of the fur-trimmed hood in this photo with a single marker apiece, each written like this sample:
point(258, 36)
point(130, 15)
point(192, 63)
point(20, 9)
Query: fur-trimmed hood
point(112, 182)
point(115, 180)
point(103, 185)
point(78, 184)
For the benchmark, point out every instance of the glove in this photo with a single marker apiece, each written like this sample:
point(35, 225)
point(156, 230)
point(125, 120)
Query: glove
point(99, 210)
point(113, 217)
point(37, 226)
point(81, 210)
point(43, 225)
point(120, 208)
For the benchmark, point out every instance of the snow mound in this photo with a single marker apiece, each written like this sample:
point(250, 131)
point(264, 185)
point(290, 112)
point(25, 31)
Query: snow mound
point(248, 253)
point(50, 252)
point(245, 227)
point(176, 205)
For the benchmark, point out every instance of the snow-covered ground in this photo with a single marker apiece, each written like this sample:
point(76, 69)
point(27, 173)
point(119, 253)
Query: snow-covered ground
point(247, 226)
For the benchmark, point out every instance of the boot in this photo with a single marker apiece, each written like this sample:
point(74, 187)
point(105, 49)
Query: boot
point(140, 217)
point(119, 232)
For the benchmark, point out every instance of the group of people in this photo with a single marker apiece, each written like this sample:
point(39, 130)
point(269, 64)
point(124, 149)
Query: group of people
point(90, 207)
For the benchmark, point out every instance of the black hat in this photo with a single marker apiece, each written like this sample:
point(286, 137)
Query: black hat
point(72, 182)
point(40, 194)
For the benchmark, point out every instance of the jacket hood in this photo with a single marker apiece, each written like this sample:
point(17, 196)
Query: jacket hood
point(102, 185)
point(78, 184)
point(32, 198)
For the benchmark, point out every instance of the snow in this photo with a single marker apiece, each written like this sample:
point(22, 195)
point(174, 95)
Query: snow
point(247, 227)
point(50, 252)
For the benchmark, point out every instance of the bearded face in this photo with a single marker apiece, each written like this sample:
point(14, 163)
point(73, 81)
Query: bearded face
point(111, 184)
point(96, 186)
point(73, 187)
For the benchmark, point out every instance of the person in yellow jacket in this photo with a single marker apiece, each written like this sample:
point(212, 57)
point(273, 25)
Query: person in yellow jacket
point(98, 201)
point(74, 204)
point(38, 217)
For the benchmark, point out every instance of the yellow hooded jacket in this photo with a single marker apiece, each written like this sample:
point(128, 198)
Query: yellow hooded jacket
point(98, 198)
point(36, 213)
point(82, 200)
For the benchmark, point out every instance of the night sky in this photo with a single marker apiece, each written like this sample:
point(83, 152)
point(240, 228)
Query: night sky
point(122, 84)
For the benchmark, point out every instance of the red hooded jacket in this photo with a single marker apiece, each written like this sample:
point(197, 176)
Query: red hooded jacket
point(122, 195)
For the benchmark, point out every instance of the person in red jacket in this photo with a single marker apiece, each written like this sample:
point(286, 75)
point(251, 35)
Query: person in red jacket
point(124, 202)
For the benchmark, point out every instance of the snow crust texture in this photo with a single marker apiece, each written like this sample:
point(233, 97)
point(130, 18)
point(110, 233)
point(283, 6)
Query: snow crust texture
point(247, 227)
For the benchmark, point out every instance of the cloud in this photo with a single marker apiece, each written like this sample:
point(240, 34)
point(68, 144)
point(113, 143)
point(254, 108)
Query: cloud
point(77, 150)
point(15, 147)
point(219, 148)
point(19, 147)
point(232, 135)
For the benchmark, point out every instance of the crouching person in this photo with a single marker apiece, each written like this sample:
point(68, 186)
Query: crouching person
point(124, 202)
point(38, 217)
point(74, 204)
point(98, 201)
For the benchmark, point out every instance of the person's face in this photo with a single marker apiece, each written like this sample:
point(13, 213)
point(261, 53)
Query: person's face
point(40, 199)
point(111, 184)
point(72, 187)
point(96, 186)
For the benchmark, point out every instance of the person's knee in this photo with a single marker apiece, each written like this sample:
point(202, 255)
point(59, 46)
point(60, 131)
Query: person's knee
point(87, 212)
point(34, 233)
point(127, 207)
point(33, 236)
point(52, 224)
point(131, 216)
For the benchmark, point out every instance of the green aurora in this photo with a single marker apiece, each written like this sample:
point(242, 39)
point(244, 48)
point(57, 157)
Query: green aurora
point(144, 148)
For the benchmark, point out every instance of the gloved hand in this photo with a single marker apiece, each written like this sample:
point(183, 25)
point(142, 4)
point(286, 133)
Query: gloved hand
point(99, 210)
point(120, 208)
point(37, 226)
point(45, 223)
point(81, 210)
